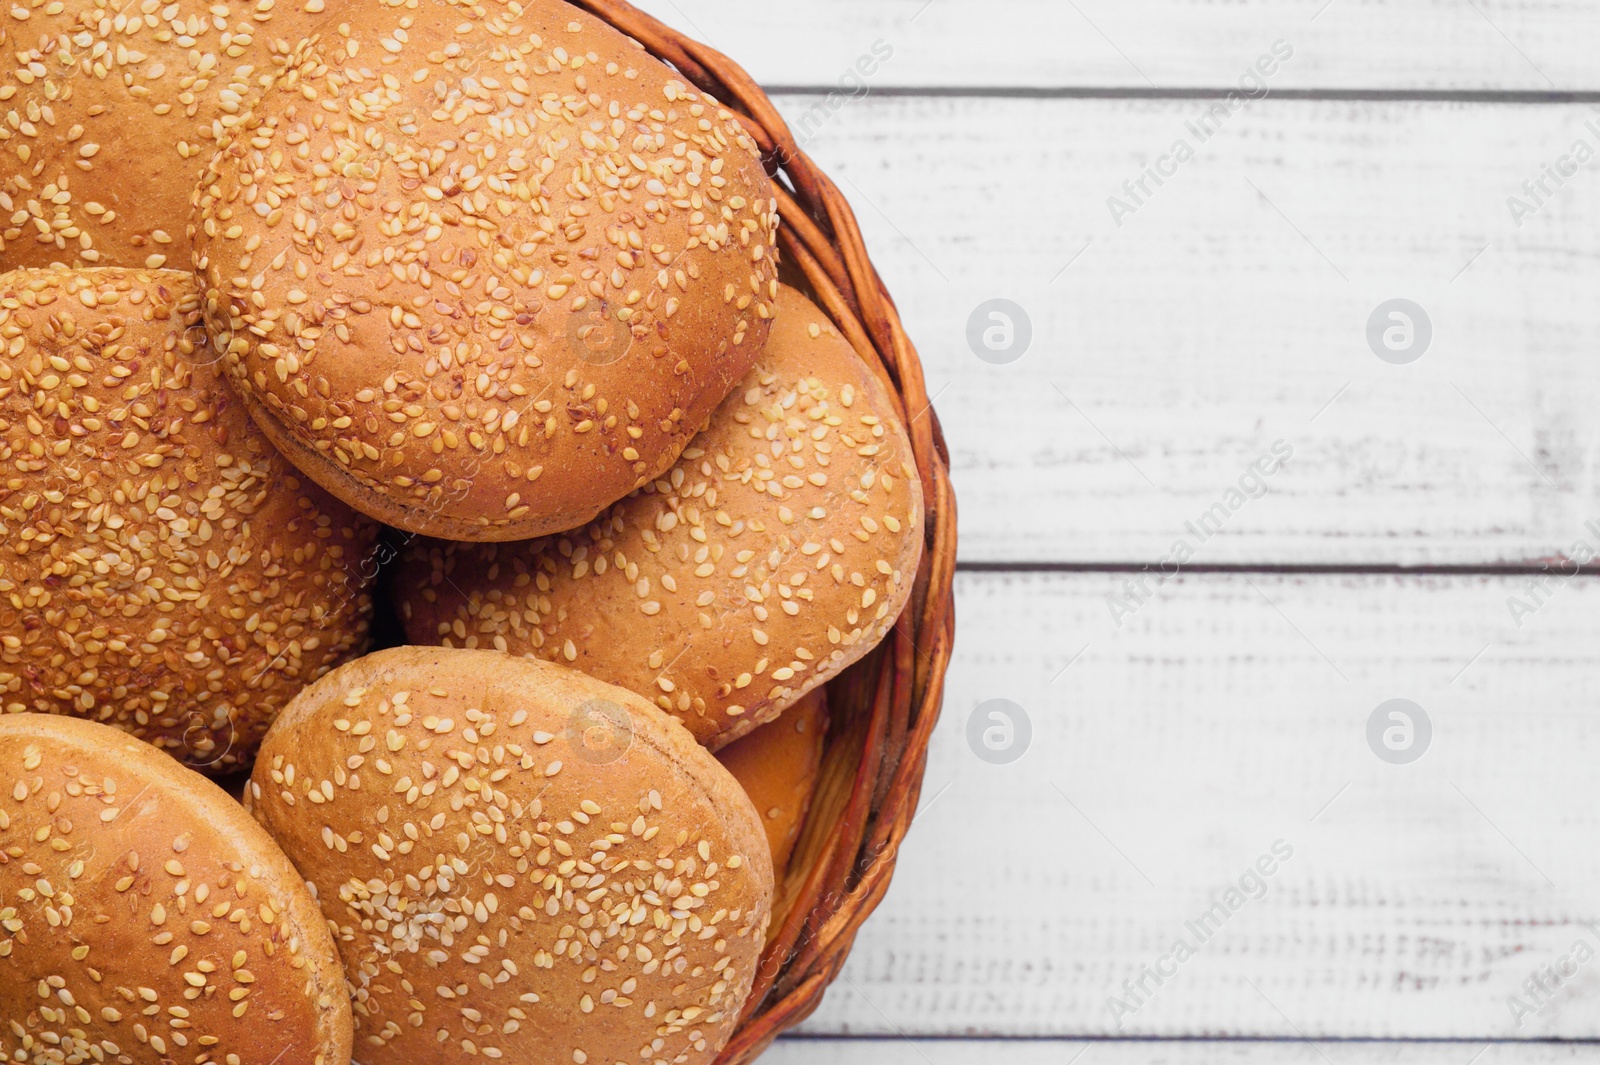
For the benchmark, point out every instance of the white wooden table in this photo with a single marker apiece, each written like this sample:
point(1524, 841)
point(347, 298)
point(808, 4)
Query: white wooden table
point(1176, 741)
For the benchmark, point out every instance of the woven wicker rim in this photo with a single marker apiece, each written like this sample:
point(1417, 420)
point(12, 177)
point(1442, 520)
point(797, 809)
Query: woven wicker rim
point(885, 708)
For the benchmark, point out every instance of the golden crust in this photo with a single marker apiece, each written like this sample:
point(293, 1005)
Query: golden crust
point(780, 549)
point(777, 765)
point(162, 568)
point(109, 111)
point(520, 862)
point(481, 269)
point(145, 918)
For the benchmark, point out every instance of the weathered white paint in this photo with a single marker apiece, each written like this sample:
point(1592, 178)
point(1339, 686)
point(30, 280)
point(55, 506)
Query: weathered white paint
point(1177, 348)
point(1350, 44)
point(1226, 713)
point(1193, 1052)
point(1221, 717)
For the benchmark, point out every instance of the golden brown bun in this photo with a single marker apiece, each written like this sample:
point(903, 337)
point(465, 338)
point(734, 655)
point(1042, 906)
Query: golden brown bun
point(778, 550)
point(521, 863)
point(145, 919)
point(162, 568)
point(109, 112)
point(777, 767)
point(481, 269)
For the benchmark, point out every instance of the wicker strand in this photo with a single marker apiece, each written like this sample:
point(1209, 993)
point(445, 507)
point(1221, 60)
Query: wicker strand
point(886, 707)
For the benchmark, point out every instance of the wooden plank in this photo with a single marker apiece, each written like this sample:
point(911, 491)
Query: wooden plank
point(1379, 44)
point(1229, 713)
point(1230, 311)
point(1188, 1052)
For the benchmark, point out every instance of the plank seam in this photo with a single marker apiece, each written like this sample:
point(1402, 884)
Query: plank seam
point(833, 1037)
point(1133, 92)
point(1330, 569)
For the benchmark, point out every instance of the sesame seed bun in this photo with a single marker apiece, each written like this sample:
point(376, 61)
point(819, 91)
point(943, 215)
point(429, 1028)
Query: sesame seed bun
point(162, 568)
point(780, 549)
point(777, 766)
point(520, 862)
point(111, 111)
point(481, 269)
point(145, 918)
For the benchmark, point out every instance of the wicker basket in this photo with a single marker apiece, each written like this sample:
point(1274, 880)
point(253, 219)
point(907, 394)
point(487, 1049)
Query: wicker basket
point(884, 708)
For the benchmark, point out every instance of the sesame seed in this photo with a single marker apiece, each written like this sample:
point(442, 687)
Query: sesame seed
point(114, 979)
point(772, 522)
point(627, 204)
point(517, 864)
point(199, 579)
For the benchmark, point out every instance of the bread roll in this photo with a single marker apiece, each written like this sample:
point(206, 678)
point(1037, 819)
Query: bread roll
point(162, 568)
point(145, 919)
point(779, 549)
point(520, 863)
point(112, 110)
point(777, 766)
point(481, 269)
